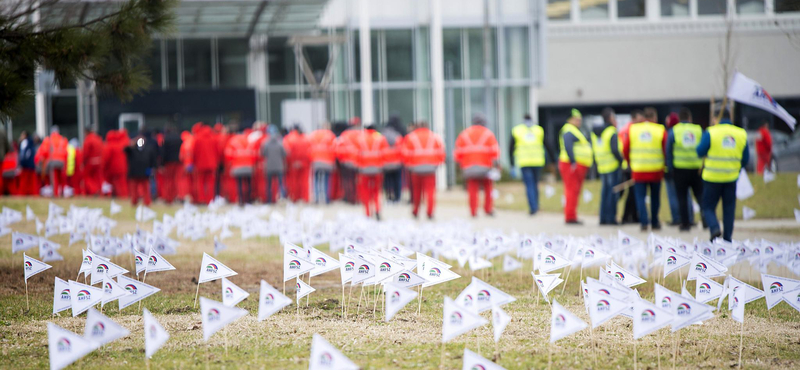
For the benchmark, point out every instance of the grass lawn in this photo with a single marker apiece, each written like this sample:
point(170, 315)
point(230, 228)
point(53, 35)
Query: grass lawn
point(410, 341)
point(777, 199)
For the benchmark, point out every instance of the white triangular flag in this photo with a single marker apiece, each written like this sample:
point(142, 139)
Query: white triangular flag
point(604, 307)
point(232, 294)
point(624, 276)
point(29, 215)
point(751, 293)
point(587, 196)
point(487, 295)
point(546, 283)
point(99, 328)
point(83, 296)
point(399, 250)
point(218, 246)
point(115, 208)
point(211, 269)
point(139, 260)
point(294, 266)
point(686, 311)
point(154, 334)
point(797, 215)
point(406, 279)
point(346, 267)
point(473, 361)
point(363, 270)
point(325, 356)
point(674, 260)
point(138, 290)
point(303, 289)
point(144, 214)
point(112, 290)
point(592, 256)
point(664, 297)
point(708, 290)
point(738, 301)
point(624, 240)
point(74, 238)
point(396, 298)
point(53, 210)
point(458, 320)
point(62, 299)
point(563, 323)
point(216, 316)
point(648, 318)
point(157, 263)
point(792, 297)
point(101, 267)
point(88, 261)
point(478, 263)
point(705, 266)
point(748, 213)
point(33, 266)
point(500, 320)
point(768, 176)
point(270, 301)
point(66, 347)
point(39, 226)
point(549, 191)
point(510, 264)
point(22, 241)
point(744, 188)
point(552, 261)
point(775, 287)
point(322, 262)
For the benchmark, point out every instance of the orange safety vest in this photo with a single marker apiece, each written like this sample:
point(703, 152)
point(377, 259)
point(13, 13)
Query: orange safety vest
point(239, 153)
point(370, 145)
point(476, 146)
point(392, 159)
point(346, 147)
point(322, 143)
point(422, 150)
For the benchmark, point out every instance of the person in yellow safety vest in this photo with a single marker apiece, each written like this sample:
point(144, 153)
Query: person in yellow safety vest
point(574, 160)
point(644, 150)
point(607, 157)
point(724, 149)
point(527, 155)
point(684, 165)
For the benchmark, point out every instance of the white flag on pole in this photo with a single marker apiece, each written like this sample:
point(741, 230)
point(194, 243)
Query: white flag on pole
point(592, 256)
point(294, 266)
point(157, 263)
point(546, 283)
point(750, 92)
point(139, 260)
point(29, 215)
point(232, 294)
point(751, 293)
point(708, 290)
point(792, 297)
point(500, 320)
point(775, 287)
point(458, 320)
point(487, 295)
point(62, 299)
point(22, 241)
point(66, 347)
point(216, 316)
point(648, 318)
point(664, 297)
point(474, 361)
point(83, 296)
point(603, 307)
point(322, 262)
point(138, 290)
point(748, 213)
point(326, 356)
point(705, 266)
point(154, 334)
point(399, 250)
point(687, 311)
point(53, 210)
point(510, 264)
point(346, 267)
point(563, 323)
point(112, 290)
point(218, 246)
point(144, 214)
point(303, 290)
point(99, 328)
point(362, 271)
point(405, 279)
point(101, 267)
point(115, 208)
point(552, 261)
point(33, 266)
point(674, 260)
point(396, 298)
point(744, 188)
point(623, 276)
point(211, 269)
point(738, 303)
point(270, 301)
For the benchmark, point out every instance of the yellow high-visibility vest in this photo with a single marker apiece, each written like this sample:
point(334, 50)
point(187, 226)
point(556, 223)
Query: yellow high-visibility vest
point(646, 150)
point(582, 149)
point(603, 156)
point(724, 159)
point(684, 151)
point(70, 160)
point(528, 145)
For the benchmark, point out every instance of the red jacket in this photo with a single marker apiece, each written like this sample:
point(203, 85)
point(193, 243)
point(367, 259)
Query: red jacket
point(764, 143)
point(476, 146)
point(53, 147)
point(421, 149)
point(115, 162)
point(322, 147)
point(187, 147)
point(297, 150)
point(370, 146)
point(92, 150)
point(239, 152)
point(205, 155)
point(345, 147)
point(392, 159)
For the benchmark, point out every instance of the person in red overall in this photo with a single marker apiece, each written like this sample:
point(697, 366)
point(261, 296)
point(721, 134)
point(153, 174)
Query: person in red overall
point(171, 164)
point(254, 140)
point(92, 162)
point(346, 155)
point(205, 158)
point(115, 164)
point(476, 152)
point(240, 159)
point(323, 161)
point(298, 163)
point(185, 175)
point(8, 182)
point(422, 152)
point(52, 156)
point(763, 148)
point(370, 147)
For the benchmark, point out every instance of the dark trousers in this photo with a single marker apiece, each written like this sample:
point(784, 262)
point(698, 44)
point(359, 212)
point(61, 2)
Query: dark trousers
point(281, 186)
point(348, 176)
point(684, 181)
point(530, 177)
point(393, 184)
point(640, 189)
point(629, 212)
point(712, 193)
point(243, 182)
point(608, 198)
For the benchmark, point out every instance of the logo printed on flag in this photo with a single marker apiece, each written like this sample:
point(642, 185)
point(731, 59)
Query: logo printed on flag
point(684, 309)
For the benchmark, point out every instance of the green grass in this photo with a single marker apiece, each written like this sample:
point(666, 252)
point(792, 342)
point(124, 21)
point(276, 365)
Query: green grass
point(410, 341)
point(777, 199)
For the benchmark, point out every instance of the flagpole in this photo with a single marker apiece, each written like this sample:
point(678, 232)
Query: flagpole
point(419, 308)
point(591, 339)
point(27, 302)
point(308, 297)
point(741, 341)
point(580, 290)
point(358, 309)
point(569, 270)
point(375, 301)
point(550, 355)
point(143, 279)
point(658, 353)
point(635, 355)
point(675, 355)
point(343, 302)
point(196, 293)
point(441, 359)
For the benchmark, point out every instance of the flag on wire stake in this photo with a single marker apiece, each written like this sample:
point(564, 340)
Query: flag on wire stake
point(62, 299)
point(138, 290)
point(83, 296)
point(33, 266)
point(705, 266)
point(405, 279)
point(22, 242)
point(325, 356)
point(29, 215)
point(458, 320)
point(115, 208)
point(396, 297)
point(563, 323)
point(154, 334)
point(674, 260)
point(112, 291)
point(707, 290)
point(648, 318)
point(270, 301)
point(216, 316)
point(604, 307)
point(101, 267)
point(218, 246)
point(232, 294)
point(623, 276)
point(546, 283)
point(552, 261)
point(66, 347)
point(510, 264)
point(211, 269)
point(792, 297)
point(303, 290)
point(322, 262)
point(100, 329)
point(157, 263)
point(294, 266)
point(139, 261)
point(775, 286)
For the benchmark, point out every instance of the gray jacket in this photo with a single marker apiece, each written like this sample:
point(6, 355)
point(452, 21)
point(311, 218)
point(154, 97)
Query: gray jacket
point(274, 155)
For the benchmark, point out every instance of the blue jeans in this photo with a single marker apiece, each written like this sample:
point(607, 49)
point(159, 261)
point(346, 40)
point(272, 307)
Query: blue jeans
point(530, 177)
point(672, 197)
point(640, 189)
point(712, 192)
point(281, 186)
point(321, 178)
point(608, 198)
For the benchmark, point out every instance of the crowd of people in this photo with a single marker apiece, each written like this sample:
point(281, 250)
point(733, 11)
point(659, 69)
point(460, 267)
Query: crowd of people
point(263, 163)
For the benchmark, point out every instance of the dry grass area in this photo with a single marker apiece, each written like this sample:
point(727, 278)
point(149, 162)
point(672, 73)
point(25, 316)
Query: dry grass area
point(772, 340)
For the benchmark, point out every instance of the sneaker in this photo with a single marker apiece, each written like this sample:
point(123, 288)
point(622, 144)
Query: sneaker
point(574, 222)
point(715, 235)
point(643, 228)
point(377, 216)
point(685, 228)
point(657, 226)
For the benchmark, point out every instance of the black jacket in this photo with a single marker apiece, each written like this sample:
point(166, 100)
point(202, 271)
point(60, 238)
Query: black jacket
point(171, 149)
point(141, 158)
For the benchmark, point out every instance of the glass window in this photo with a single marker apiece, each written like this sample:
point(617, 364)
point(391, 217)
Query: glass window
point(172, 64)
point(558, 9)
point(517, 53)
point(475, 39)
point(25, 120)
point(374, 50)
point(674, 8)
point(750, 6)
point(516, 105)
point(594, 10)
point(477, 106)
point(275, 101)
point(423, 106)
point(281, 62)
point(399, 56)
point(422, 70)
point(631, 8)
point(712, 7)
point(197, 63)
point(233, 62)
point(153, 63)
point(451, 45)
point(401, 104)
point(356, 57)
point(784, 6)
point(317, 58)
point(65, 115)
